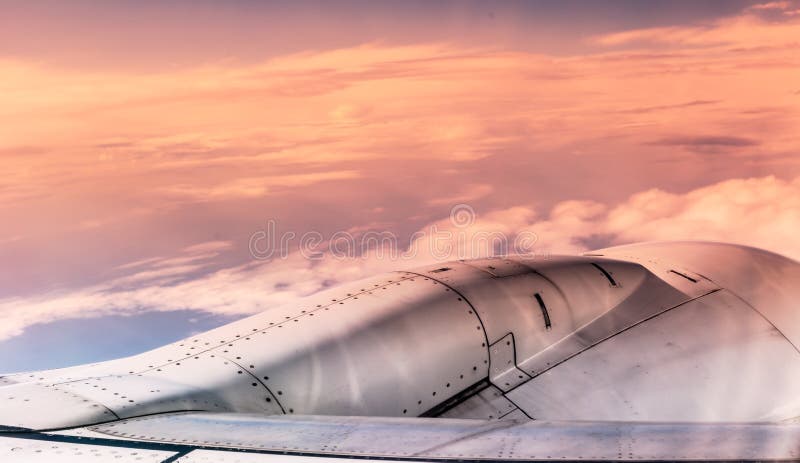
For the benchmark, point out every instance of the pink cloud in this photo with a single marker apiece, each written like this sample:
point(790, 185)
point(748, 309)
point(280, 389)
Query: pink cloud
point(762, 212)
point(783, 5)
point(747, 29)
point(104, 166)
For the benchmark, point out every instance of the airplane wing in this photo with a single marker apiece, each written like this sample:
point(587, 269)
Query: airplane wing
point(653, 352)
point(219, 437)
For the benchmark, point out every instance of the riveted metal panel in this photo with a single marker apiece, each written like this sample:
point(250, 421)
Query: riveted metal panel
point(535, 440)
point(499, 267)
point(453, 273)
point(396, 345)
point(207, 382)
point(216, 456)
point(711, 359)
point(487, 404)
point(8, 380)
point(416, 438)
point(560, 307)
point(507, 304)
point(503, 370)
point(48, 376)
point(34, 406)
point(515, 415)
point(586, 288)
point(19, 450)
point(673, 272)
point(222, 339)
point(603, 298)
point(768, 282)
point(226, 381)
point(650, 297)
point(376, 436)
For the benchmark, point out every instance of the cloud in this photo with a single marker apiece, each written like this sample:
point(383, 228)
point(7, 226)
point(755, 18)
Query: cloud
point(706, 143)
point(254, 187)
point(237, 290)
point(762, 212)
point(687, 104)
point(237, 131)
point(468, 193)
point(783, 5)
point(209, 246)
point(748, 29)
point(706, 140)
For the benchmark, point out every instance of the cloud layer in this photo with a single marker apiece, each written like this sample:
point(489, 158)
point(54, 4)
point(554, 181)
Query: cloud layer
point(763, 212)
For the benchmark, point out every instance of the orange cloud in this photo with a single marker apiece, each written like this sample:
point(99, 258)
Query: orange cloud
point(745, 30)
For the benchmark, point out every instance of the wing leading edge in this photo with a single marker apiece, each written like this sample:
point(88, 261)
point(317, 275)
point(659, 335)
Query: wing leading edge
point(201, 436)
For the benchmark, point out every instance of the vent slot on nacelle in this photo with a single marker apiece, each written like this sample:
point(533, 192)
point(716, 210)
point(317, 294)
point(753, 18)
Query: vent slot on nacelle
point(607, 274)
point(545, 313)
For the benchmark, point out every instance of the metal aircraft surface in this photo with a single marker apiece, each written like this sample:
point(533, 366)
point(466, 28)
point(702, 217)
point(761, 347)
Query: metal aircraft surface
point(656, 351)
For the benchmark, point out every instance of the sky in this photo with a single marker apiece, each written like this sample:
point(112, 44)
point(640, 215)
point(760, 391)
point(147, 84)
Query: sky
point(150, 152)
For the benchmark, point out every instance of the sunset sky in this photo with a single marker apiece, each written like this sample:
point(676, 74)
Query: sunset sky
point(143, 144)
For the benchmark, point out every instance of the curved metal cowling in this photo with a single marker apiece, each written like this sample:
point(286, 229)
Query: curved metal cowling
point(650, 332)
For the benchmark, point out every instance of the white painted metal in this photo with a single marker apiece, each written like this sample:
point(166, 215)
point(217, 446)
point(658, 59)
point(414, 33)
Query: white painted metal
point(216, 456)
point(587, 300)
point(503, 370)
point(470, 440)
point(711, 359)
point(394, 345)
point(599, 310)
point(37, 406)
point(487, 404)
point(669, 331)
point(179, 386)
point(391, 348)
point(16, 450)
point(768, 282)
